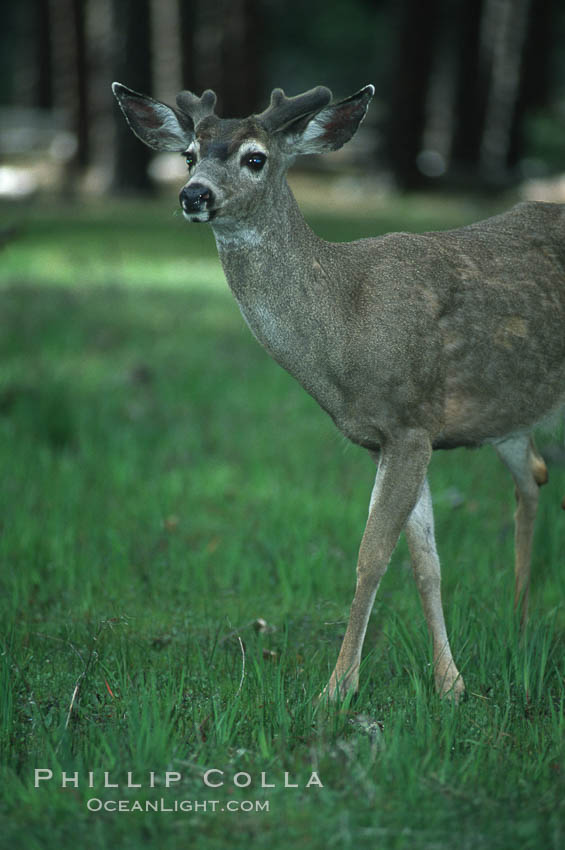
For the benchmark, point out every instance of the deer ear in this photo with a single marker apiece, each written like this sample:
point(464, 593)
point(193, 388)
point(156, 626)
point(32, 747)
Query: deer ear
point(331, 127)
point(157, 125)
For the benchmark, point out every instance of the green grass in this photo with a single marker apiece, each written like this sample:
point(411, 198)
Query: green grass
point(164, 486)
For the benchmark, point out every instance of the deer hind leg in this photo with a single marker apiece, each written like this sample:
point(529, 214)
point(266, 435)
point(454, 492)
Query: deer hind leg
point(529, 472)
point(400, 474)
point(425, 563)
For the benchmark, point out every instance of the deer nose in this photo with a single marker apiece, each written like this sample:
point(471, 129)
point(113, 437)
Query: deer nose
point(195, 196)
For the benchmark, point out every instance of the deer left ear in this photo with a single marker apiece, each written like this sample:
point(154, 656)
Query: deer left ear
point(157, 125)
point(331, 127)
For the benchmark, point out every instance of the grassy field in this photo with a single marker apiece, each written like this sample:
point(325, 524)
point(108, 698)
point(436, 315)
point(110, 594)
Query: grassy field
point(179, 525)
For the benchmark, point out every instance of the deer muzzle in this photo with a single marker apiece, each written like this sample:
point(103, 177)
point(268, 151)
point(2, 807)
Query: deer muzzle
point(196, 198)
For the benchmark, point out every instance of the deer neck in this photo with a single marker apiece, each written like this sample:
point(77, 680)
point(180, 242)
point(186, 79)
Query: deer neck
point(273, 238)
point(269, 262)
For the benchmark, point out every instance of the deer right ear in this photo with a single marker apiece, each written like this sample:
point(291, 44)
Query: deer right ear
point(157, 125)
point(331, 127)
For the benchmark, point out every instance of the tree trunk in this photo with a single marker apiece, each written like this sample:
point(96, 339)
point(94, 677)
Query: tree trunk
point(414, 33)
point(241, 55)
point(504, 36)
point(535, 77)
point(471, 89)
point(43, 95)
point(132, 66)
point(70, 91)
point(228, 54)
point(188, 11)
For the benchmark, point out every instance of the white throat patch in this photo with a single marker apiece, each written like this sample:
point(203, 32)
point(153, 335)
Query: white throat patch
point(245, 236)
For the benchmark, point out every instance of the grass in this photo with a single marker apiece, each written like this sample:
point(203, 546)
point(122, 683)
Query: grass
point(178, 532)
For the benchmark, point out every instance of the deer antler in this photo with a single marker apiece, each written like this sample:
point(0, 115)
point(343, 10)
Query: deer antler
point(196, 107)
point(284, 110)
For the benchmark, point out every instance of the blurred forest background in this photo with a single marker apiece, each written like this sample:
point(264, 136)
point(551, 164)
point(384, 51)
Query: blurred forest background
point(470, 93)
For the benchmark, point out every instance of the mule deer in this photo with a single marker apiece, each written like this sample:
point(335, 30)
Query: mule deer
point(410, 342)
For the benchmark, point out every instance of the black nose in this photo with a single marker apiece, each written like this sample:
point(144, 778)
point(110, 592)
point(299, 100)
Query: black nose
point(195, 196)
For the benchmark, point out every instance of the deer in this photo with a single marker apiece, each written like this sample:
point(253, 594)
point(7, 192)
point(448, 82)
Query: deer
point(410, 342)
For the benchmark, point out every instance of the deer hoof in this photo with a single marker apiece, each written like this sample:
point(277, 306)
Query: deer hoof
point(451, 687)
point(340, 691)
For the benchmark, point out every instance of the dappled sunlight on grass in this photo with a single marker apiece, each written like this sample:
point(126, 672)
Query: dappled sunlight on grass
point(118, 245)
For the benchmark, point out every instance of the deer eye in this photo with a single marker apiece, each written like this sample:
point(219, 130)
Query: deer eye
point(190, 160)
point(254, 161)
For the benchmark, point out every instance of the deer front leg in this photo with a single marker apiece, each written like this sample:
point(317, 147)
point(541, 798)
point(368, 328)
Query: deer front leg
point(529, 472)
point(400, 474)
point(425, 563)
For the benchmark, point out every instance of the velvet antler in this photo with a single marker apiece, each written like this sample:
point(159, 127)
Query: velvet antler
point(196, 107)
point(283, 110)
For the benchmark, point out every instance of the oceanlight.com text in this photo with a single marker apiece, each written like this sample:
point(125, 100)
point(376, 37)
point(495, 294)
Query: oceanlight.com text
point(95, 804)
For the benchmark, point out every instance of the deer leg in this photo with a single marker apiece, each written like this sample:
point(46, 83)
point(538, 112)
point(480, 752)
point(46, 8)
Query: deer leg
point(529, 472)
point(425, 563)
point(400, 474)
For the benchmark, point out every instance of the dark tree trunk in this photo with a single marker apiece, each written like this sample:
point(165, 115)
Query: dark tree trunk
point(208, 59)
point(43, 95)
point(502, 74)
point(81, 64)
point(241, 56)
point(505, 40)
point(471, 89)
point(414, 33)
point(228, 51)
point(19, 47)
point(188, 13)
point(132, 66)
point(535, 73)
point(70, 89)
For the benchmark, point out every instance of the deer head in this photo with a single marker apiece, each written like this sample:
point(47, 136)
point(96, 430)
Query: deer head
point(235, 165)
